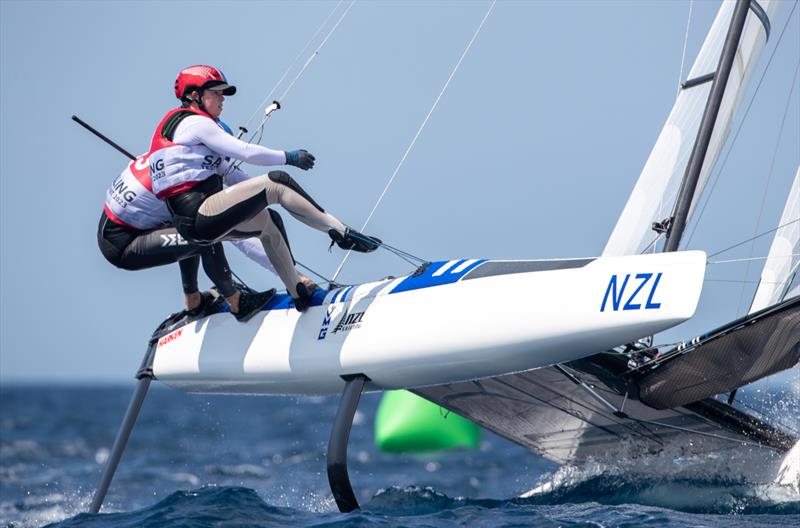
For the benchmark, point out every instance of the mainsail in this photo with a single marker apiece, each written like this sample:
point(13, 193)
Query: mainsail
point(655, 193)
point(780, 278)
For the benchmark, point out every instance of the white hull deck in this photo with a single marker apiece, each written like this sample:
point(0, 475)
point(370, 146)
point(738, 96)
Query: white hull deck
point(458, 320)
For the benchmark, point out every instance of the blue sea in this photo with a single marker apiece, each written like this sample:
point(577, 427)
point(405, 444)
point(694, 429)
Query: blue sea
point(223, 461)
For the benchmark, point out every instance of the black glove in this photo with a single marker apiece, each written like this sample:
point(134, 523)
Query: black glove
point(300, 158)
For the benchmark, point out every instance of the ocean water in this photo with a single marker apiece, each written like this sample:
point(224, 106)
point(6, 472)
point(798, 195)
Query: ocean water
point(221, 461)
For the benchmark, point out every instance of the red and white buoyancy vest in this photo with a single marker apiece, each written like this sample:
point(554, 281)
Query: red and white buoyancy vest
point(130, 200)
point(177, 168)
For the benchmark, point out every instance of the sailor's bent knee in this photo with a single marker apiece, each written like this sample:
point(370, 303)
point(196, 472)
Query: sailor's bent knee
point(283, 178)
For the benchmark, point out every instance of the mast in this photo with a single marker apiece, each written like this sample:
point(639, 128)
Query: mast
point(695, 165)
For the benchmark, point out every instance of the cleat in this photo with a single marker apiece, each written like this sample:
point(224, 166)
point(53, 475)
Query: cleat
point(252, 303)
point(353, 240)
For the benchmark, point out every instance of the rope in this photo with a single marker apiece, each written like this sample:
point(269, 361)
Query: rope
point(769, 175)
point(685, 42)
point(753, 238)
point(739, 128)
point(652, 244)
point(750, 259)
point(324, 278)
point(742, 281)
point(260, 129)
point(268, 98)
point(419, 131)
point(316, 52)
point(327, 227)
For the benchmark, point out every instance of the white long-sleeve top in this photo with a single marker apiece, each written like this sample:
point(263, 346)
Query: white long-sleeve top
point(200, 130)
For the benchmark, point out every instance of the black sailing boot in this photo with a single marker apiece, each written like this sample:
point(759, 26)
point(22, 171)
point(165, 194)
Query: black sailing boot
point(202, 309)
point(252, 303)
point(352, 239)
point(303, 299)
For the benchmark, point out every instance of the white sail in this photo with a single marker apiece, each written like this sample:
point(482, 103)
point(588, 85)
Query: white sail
point(780, 278)
point(656, 191)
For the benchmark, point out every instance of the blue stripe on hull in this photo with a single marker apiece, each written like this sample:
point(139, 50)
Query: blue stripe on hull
point(429, 278)
point(283, 301)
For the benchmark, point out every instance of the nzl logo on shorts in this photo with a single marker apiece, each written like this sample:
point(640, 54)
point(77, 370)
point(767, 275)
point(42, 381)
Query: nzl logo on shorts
point(348, 322)
point(637, 291)
point(173, 240)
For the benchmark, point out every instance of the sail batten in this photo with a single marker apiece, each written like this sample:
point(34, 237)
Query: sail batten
point(655, 193)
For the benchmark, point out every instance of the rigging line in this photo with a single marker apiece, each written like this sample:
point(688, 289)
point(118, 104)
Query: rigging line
point(316, 52)
point(310, 60)
point(652, 244)
point(751, 259)
point(769, 175)
point(761, 411)
point(293, 63)
point(721, 167)
point(240, 279)
point(753, 238)
point(407, 260)
point(741, 281)
point(324, 278)
point(396, 251)
point(685, 42)
point(260, 128)
point(419, 131)
point(327, 227)
point(693, 431)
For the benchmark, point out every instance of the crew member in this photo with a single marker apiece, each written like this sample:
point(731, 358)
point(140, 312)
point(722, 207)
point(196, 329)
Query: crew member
point(135, 233)
point(189, 155)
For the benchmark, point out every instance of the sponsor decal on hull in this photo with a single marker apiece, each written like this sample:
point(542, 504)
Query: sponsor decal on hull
point(169, 338)
point(348, 321)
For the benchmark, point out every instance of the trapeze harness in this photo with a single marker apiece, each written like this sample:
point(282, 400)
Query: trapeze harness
point(189, 154)
point(135, 233)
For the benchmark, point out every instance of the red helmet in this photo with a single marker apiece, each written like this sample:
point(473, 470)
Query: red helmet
point(201, 77)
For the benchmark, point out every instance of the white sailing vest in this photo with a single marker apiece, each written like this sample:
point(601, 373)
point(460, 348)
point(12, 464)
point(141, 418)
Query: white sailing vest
point(131, 202)
point(177, 168)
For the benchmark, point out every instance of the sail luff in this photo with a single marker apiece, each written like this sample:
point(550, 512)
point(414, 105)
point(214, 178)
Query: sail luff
point(779, 278)
point(653, 197)
point(701, 144)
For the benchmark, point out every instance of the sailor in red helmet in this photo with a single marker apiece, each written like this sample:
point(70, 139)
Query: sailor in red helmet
point(189, 155)
point(136, 232)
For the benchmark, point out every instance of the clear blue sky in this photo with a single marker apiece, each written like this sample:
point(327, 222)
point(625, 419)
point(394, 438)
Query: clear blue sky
point(531, 154)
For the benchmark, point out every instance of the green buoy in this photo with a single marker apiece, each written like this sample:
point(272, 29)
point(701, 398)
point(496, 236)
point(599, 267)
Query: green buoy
point(407, 423)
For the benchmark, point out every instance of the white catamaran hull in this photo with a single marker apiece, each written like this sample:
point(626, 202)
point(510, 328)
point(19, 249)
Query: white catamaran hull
point(457, 320)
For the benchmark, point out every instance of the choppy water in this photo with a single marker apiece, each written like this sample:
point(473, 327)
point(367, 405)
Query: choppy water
point(204, 461)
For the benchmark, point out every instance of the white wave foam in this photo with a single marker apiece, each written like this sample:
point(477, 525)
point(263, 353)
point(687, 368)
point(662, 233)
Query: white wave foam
point(38, 510)
point(750, 464)
point(238, 470)
point(20, 448)
point(789, 471)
